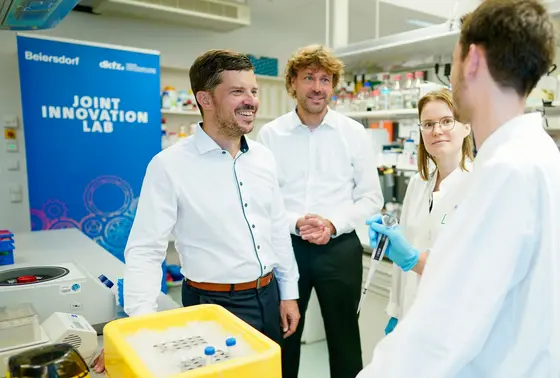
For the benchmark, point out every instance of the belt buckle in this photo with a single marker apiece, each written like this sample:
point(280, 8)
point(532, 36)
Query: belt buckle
point(259, 283)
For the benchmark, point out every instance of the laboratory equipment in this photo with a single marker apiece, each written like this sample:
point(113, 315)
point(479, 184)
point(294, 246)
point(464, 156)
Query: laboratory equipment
point(377, 255)
point(20, 331)
point(209, 353)
point(50, 361)
point(33, 15)
point(6, 247)
point(134, 348)
point(230, 346)
point(65, 287)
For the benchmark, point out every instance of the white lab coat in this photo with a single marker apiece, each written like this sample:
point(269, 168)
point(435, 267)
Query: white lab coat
point(489, 302)
point(421, 227)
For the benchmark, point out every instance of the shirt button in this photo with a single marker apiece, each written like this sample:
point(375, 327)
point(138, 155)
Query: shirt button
point(253, 226)
point(223, 152)
point(245, 205)
point(258, 247)
point(240, 184)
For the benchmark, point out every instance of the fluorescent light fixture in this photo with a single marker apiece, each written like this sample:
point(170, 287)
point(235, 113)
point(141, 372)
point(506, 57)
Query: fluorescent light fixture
point(419, 23)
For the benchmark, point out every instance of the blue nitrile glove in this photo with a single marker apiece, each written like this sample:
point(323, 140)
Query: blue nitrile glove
point(391, 325)
point(398, 250)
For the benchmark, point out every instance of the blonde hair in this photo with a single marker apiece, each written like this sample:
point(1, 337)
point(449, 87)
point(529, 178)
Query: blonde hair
point(443, 95)
point(313, 56)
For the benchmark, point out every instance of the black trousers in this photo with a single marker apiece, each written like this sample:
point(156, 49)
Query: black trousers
point(335, 271)
point(260, 308)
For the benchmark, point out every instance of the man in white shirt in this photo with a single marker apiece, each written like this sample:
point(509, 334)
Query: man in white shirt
point(489, 301)
point(328, 177)
point(217, 193)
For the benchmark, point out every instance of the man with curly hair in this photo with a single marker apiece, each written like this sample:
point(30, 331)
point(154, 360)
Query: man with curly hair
point(328, 177)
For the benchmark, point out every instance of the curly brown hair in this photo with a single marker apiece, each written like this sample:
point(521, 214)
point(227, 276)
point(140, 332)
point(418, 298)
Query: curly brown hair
point(313, 56)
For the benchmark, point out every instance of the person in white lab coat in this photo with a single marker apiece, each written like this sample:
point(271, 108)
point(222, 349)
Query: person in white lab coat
point(489, 301)
point(445, 154)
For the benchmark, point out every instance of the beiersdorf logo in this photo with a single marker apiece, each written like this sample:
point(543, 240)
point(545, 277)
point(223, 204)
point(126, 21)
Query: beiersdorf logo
point(57, 59)
point(111, 65)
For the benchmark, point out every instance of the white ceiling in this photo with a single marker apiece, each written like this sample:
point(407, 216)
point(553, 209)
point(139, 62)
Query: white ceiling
point(440, 8)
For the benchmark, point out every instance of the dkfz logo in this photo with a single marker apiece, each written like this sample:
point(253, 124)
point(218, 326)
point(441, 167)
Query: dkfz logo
point(111, 65)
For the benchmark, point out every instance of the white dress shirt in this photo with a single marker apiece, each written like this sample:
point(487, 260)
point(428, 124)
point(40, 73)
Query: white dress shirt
point(226, 214)
point(329, 171)
point(488, 304)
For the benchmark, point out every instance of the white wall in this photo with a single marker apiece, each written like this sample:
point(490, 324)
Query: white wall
point(178, 45)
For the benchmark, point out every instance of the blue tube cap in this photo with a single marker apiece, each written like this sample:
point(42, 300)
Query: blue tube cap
point(209, 351)
point(230, 341)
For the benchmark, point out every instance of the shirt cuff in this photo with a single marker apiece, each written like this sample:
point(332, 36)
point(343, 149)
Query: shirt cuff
point(141, 310)
point(341, 226)
point(393, 310)
point(289, 290)
point(292, 220)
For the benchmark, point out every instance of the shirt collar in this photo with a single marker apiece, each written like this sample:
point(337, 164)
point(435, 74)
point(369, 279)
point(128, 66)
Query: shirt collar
point(206, 144)
point(506, 132)
point(328, 120)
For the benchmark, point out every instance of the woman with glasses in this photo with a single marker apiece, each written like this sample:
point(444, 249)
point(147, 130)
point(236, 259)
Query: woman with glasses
point(445, 154)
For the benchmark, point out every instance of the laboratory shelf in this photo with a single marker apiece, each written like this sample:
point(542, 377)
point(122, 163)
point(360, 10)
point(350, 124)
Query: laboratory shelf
point(384, 114)
point(395, 50)
point(397, 114)
point(416, 48)
point(192, 113)
point(196, 113)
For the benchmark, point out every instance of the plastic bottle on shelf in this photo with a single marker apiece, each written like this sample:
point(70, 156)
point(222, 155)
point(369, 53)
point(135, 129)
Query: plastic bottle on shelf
point(172, 138)
point(374, 100)
point(418, 83)
point(363, 97)
point(182, 132)
point(347, 102)
point(410, 92)
point(396, 95)
point(165, 100)
point(384, 93)
point(370, 99)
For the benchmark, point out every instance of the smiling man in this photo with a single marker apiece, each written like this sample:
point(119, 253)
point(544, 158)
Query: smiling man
point(217, 193)
point(328, 176)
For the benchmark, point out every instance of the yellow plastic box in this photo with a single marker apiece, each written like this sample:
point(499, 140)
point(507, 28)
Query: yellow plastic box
point(121, 361)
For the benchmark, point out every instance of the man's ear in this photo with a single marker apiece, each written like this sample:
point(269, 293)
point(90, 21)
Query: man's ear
point(204, 99)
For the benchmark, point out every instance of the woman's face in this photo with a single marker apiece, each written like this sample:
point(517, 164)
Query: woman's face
point(442, 134)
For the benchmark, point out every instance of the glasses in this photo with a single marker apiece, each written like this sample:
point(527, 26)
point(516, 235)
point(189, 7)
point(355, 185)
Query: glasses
point(446, 124)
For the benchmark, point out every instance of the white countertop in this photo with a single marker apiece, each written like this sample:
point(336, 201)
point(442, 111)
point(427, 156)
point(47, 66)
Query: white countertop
point(68, 245)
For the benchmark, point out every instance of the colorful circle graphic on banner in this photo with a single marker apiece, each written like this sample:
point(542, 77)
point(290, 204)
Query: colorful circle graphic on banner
point(117, 231)
point(108, 196)
point(39, 220)
point(64, 223)
point(92, 225)
point(55, 209)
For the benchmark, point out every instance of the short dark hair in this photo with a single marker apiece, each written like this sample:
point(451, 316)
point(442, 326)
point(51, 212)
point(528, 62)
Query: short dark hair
point(205, 73)
point(519, 40)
